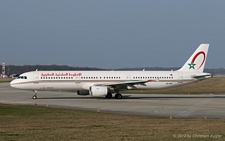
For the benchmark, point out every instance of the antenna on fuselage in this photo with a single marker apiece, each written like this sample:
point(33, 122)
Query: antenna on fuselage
point(36, 69)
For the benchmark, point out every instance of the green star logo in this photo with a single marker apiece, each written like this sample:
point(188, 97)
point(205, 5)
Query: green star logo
point(192, 65)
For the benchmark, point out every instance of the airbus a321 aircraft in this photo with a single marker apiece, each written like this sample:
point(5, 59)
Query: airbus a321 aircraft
point(106, 83)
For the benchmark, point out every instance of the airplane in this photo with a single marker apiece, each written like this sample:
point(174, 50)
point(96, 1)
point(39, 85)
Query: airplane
point(106, 83)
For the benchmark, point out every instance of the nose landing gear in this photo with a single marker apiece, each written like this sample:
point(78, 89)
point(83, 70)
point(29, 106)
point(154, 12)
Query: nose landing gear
point(35, 94)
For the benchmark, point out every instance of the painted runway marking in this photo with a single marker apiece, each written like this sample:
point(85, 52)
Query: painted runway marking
point(192, 109)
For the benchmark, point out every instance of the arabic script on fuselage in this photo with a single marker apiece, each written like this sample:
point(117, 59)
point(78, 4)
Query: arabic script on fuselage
point(60, 74)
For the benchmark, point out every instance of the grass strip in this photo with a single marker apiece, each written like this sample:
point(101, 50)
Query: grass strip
point(21, 122)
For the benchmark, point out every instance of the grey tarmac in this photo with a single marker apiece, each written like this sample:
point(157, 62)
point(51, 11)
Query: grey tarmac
point(152, 105)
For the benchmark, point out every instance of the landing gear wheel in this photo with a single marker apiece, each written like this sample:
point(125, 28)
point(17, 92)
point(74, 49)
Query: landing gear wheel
point(109, 95)
point(118, 96)
point(34, 97)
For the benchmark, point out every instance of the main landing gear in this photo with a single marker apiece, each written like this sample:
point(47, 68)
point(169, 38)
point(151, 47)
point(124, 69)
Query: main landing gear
point(35, 94)
point(117, 96)
point(109, 95)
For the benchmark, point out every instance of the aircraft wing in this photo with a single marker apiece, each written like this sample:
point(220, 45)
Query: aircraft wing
point(125, 83)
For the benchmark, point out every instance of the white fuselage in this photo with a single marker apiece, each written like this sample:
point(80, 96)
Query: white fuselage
point(82, 80)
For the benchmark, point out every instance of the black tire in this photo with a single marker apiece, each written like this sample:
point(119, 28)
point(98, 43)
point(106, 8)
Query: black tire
point(34, 97)
point(109, 95)
point(118, 96)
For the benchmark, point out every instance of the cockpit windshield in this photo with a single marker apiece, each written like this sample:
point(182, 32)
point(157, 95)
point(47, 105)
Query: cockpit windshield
point(22, 77)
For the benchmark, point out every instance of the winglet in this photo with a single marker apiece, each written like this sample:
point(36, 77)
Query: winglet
point(197, 61)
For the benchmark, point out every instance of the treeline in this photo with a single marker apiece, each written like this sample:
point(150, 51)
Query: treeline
point(212, 71)
point(12, 69)
point(150, 68)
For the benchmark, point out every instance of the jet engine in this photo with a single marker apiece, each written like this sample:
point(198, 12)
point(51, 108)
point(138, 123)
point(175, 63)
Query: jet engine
point(96, 91)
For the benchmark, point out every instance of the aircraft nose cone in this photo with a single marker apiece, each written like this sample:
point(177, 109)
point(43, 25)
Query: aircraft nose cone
point(12, 83)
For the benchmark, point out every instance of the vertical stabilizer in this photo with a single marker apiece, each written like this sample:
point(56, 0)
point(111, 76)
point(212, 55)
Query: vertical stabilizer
point(197, 61)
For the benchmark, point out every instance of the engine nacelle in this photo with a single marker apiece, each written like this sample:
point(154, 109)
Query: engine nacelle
point(83, 92)
point(96, 91)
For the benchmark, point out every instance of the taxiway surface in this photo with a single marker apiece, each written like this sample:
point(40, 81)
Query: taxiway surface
point(177, 106)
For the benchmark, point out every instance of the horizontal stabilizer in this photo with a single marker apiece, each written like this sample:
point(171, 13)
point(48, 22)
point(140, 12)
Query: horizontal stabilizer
point(202, 75)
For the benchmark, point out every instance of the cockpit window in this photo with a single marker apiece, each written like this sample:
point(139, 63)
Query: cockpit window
point(22, 77)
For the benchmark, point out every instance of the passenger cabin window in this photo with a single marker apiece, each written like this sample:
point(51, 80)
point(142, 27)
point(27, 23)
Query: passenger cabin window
point(22, 77)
